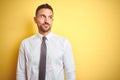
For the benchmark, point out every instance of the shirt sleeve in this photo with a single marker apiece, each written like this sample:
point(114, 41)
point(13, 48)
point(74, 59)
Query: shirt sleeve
point(69, 62)
point(21, 71)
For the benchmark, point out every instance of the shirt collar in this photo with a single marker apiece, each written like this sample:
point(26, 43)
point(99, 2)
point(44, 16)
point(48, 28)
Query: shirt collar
point(47, 36)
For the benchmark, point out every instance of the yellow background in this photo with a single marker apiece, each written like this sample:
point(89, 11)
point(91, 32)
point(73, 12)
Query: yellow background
point(92, 26)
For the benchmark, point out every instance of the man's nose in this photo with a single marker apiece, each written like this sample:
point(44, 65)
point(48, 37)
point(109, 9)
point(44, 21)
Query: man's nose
point(46, 19)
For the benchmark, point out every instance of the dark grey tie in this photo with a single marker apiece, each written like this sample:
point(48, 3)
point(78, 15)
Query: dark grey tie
point(42, 66)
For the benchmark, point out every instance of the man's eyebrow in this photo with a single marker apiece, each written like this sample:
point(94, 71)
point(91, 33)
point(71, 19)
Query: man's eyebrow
point(51, 15)
point(42, 15)
point(45, 15)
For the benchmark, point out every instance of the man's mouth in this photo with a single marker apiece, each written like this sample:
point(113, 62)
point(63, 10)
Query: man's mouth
point(46, 24)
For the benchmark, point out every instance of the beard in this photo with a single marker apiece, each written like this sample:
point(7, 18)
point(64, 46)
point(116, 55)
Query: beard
point(43, 28)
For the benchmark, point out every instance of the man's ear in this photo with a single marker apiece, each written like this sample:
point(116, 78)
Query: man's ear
point(35, 19)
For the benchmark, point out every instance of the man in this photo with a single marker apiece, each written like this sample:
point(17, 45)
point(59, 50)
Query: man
point(45, 56)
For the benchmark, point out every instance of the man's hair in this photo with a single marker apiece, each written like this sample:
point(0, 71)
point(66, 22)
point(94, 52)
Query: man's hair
point(47, 6)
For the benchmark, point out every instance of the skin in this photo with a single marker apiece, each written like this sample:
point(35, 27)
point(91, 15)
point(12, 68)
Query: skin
point(44, 20)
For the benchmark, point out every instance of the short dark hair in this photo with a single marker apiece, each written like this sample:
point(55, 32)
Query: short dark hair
point(43, 6)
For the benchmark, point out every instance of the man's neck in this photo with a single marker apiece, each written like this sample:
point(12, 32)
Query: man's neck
point(44, 33)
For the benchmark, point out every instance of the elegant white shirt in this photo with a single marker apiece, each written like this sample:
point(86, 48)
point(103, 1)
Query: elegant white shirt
point(59, 58)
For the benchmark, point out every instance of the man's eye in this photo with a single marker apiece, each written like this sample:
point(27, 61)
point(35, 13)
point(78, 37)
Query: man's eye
point(42, 16)
point(50, 17)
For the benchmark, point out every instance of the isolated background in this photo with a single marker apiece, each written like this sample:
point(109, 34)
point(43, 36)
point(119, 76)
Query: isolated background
point(92, 26)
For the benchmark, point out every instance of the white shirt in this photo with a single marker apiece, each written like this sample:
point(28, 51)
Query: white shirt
point(59, 58)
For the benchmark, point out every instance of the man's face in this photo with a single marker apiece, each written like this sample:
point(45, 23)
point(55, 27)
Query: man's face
point(44, 19)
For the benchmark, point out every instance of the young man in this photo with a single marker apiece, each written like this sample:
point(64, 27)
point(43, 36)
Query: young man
point(45, 56)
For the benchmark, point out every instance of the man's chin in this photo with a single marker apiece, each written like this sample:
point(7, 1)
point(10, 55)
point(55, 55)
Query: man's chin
point(45, 29)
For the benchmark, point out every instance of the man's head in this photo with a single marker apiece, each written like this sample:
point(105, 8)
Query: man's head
point(44, 18)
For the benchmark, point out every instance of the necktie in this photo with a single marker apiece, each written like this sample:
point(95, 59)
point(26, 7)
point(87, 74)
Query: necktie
point(42, 66)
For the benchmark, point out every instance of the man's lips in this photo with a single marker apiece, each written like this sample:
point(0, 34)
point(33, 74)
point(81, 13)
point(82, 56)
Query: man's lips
point(46, 24)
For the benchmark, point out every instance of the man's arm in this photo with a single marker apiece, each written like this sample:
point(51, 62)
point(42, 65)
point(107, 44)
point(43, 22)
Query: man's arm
point(21, 71)
point(69, 62)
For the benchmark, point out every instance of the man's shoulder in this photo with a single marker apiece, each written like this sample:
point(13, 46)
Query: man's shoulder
point(59, 38)
point(27, 39)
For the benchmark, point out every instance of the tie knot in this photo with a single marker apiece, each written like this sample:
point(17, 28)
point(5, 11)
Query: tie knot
point(44, 38)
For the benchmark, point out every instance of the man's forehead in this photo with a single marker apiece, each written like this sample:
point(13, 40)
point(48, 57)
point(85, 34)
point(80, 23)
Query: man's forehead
point(45, 10)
